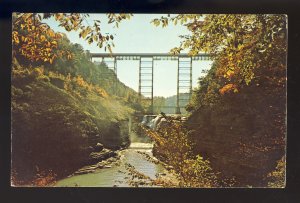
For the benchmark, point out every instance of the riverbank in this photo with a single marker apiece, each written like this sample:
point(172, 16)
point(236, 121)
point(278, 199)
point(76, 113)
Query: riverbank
point(114, 172)
point(57, 119)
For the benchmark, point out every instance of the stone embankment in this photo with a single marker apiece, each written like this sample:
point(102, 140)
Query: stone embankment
point(98, 159)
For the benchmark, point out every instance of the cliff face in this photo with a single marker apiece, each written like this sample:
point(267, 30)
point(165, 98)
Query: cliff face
point(54, 130)
point(114, 135)
point(244, 135)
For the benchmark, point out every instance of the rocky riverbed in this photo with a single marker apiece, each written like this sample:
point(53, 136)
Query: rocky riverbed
point(110, 169)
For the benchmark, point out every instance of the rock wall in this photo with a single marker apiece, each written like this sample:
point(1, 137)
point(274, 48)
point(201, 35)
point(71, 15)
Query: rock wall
point(243, 136)
point(53, 130)
point(115, 135)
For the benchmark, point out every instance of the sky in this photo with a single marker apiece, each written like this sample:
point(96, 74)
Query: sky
point(138, 35)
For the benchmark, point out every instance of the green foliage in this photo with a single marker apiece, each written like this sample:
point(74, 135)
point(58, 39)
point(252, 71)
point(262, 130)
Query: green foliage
point(53, 127)
point(40, 117)
point(158, 102)
point(241, 102)
point(249, 125)
point(242, 44)
point(37, 42)
point(174, 147)
point(61, 109)
point(207, 93)
point(98, 78)
point(197, 172)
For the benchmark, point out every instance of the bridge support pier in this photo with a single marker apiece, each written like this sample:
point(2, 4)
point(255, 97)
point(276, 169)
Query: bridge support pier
point(177, 110)
point(146, 80)
point(184, 72)
point(184, 81)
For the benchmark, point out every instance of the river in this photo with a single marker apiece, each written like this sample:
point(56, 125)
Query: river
point(117, 175)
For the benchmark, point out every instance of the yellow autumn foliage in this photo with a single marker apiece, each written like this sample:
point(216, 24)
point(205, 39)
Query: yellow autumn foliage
point(173, 144)
point(228, 88)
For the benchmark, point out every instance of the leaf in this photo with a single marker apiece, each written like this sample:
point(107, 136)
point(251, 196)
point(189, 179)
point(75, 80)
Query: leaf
point(58, 16)
point(229, 73)
point(58, 35)
point(43, 38)
point(15, 37)
point(156, 22)
point(90, 40)
point(51, 33)
point(84, 33)
point(227, 88)
point(95, 38)
point(109, 48)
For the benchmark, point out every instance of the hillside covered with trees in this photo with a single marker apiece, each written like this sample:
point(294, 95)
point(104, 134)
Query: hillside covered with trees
point(62, 109)
point(65, 109)
point(238, 111)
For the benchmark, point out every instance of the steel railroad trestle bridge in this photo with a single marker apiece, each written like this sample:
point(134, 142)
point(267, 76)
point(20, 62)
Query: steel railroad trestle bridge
point(146, 66)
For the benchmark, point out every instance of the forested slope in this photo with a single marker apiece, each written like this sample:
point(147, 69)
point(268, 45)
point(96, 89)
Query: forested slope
point(238, 112)
point(60, 112)
point(242, 134)
point(171, 101)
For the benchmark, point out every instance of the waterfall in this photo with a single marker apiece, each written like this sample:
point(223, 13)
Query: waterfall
point(136, 135)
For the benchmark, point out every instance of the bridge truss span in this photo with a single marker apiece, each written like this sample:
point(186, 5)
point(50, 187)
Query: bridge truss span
point(146, 71)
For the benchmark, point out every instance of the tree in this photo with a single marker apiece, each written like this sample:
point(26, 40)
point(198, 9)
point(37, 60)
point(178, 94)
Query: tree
point(36, 41)
point(242, 44)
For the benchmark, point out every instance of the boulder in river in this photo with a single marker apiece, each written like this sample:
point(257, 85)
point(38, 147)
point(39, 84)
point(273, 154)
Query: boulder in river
point(96, 157)
point(98, 147)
